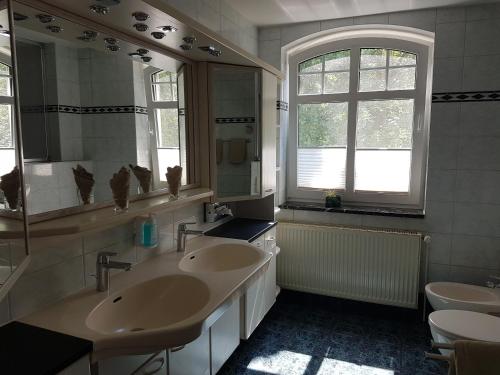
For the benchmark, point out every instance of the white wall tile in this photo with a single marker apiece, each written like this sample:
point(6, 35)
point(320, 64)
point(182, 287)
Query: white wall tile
point(450, 39)
point(475, 251)
point(422, 19)
point(452, 14)
point(440, 185)
point(479, 153)
point(448, 74)
point(269, 33)
point(270, 51)
point(477, 219)
point(443, 152)
point(293, 32)
point(333, 24)
point(439, 272)
point(445, 119)
point(483, 12)
point(481, 73)
point(477, 186)
point(481, 38)
point(381, 19)
point(480, 119)
point(440, 248)
point(469, 275)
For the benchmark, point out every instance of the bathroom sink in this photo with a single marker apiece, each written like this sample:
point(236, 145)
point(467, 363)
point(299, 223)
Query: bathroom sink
point(218, 258)
point(152, 304)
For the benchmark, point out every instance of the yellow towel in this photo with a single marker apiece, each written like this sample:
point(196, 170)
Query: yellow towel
point(237, 150)
point(476, 358)
point(219, 150)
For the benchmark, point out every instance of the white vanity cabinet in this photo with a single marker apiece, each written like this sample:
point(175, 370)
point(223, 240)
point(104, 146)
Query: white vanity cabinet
point(147, 364)
point(80, 367)
point(261, 295)
point(193, 358)
point(225, 336)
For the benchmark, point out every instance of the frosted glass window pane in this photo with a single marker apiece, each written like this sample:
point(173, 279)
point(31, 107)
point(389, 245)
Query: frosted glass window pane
point(398, 58)
point(385, 124)
point(310, 84)
point(401, 79)
point(168, 157)
point(321, 168)
point(5, 86)
point(165, 92)
point(336, 83)
point(372, 80)
point(382, 170)
point(168, 127)
point(6, 136)
point(339, 60)
point(373, 58)
point(323, 125)
point(312, 65)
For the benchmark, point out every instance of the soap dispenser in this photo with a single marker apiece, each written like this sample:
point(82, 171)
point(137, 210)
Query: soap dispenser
point(149, 238)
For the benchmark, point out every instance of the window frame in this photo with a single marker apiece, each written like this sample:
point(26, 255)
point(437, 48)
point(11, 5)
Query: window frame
point(421, 95)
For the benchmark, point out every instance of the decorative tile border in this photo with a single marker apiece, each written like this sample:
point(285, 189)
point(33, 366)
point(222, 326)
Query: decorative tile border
point(235, 120)
point(59, 108)
point(281, 105)
point(469, 96)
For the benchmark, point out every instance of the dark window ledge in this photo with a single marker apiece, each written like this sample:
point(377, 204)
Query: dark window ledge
point(359, 210)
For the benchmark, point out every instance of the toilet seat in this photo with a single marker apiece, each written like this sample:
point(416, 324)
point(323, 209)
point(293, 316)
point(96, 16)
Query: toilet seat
point(470, 325)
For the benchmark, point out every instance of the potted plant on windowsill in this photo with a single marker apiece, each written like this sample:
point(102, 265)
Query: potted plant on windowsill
point(332, 199)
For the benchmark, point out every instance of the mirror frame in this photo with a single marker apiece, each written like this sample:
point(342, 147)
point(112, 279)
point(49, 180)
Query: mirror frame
point(193, 130)
point(14, 276)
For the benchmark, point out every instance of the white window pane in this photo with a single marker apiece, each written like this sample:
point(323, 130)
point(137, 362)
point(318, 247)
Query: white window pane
point(5, 86)
point(384, 124)
point(398, 58)
point(382, 170)
point(167, 127)
point(373, 58)
point(6, 136)
point(401, 79)
point(372, 80)
point(165, 92)
point(7, 160)
point(339, 60)
point(336, 83)
point(322, 125)
point(164, 76)
point(310, 84)
point(312, 65)
point(321, 168)
point(168, 157)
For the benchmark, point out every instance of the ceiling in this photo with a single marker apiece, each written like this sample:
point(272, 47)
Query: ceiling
point(276, 12)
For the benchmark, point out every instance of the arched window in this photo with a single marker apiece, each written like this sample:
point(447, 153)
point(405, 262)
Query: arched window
point(358, 121)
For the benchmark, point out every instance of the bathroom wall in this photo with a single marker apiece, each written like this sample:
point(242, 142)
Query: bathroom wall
point(221, 17)
point(462, 204)
point(64, 265)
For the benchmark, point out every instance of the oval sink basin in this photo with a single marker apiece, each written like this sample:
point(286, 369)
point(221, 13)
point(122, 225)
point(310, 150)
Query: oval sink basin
point(152, 304)
point(223, 257)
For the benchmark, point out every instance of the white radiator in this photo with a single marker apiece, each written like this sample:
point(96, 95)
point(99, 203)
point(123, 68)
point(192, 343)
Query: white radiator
point(355, 263)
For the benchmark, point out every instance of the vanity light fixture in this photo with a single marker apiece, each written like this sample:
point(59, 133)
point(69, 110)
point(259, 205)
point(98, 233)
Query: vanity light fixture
point(142, 51)
point(91, 34)
point(19, 17)
point(99, 9)
point(113, 47)
point(186, 47)
point(146, 58)
point(189, 39)
point(84, 39)
point(110, 40)
point(141, 27)
point(158, 34)
point(211, 50)
point(167, 29)
point(45, 18)
point(55, 29)
point(140, 16)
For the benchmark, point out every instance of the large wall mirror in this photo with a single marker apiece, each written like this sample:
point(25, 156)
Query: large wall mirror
point(14, 254)
point(91, 104)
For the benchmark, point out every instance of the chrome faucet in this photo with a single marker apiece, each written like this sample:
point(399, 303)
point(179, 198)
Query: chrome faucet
point(182, 233)
point(103, 265)
point(493, 285)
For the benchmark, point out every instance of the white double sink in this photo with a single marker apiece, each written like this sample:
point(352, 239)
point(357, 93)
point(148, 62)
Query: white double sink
point(163, 302)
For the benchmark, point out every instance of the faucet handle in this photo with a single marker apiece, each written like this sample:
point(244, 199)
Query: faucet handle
point(103, 256)
point(183, 226)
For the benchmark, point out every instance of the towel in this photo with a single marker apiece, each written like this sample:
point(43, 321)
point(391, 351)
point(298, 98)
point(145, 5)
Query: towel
point(475, 358)
point(237, 150)
point(219, 150)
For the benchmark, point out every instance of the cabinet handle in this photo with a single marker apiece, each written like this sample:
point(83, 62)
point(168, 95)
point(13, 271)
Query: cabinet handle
point(177, 348)
point(160, 362)
point(142, 369)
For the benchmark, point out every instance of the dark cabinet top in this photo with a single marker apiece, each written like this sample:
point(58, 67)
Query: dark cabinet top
point(242, 229)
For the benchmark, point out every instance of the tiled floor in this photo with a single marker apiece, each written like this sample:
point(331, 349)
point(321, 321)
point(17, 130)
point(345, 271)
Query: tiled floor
point(314, 335)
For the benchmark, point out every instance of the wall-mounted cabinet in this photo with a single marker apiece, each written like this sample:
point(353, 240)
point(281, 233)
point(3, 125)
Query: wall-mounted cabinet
point(242, 120)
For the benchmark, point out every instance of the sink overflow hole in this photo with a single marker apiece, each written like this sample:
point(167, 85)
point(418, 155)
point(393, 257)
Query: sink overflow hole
point(136, 329)
point(192, 257)
point(117, 299)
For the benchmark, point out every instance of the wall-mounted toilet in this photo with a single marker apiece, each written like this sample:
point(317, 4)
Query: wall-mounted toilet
point(458, 296)
point(450, 325)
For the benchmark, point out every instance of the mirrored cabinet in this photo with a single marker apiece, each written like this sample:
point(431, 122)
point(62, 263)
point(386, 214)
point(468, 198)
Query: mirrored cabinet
point(242, 115)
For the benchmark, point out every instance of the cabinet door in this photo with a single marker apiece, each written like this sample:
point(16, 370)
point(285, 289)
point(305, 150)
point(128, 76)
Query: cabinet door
point(252, 307)
point(80, 367)
point(268, 136)
point(270, 287)
point(147, 364)
point(225, 336)
point(192, 359)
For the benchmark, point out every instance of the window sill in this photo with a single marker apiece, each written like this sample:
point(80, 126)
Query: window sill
point(359, 210)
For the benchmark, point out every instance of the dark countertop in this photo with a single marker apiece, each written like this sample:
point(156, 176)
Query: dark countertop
point(26, 349)
point(242, 229)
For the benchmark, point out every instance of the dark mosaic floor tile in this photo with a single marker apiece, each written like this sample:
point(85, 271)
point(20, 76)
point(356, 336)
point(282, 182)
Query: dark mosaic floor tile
point(413, 358)
point(381, 355)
